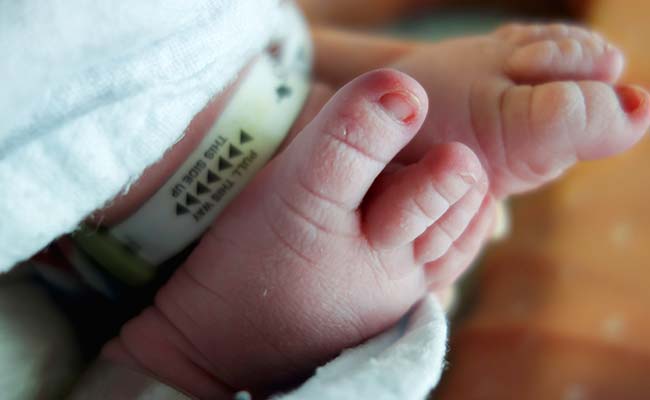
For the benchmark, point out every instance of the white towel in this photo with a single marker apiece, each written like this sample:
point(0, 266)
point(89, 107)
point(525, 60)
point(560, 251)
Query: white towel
point(404, 363)
point(92, 92)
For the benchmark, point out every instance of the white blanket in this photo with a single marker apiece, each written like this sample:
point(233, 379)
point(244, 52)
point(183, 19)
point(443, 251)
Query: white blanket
point(92, 92)
point(403, 363)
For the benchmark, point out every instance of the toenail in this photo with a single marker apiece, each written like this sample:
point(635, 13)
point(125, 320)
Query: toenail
point(632, 98)
point(403, 106)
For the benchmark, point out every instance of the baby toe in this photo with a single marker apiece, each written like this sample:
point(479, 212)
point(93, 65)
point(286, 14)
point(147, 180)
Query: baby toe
point(561, 52)
point(547, 128)
point(519, 34)
point(418, 196)
point(337, 156)
point(440, 237)
point(442, 272)
point(594, 119)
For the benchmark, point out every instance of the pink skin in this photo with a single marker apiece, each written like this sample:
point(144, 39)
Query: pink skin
point(347, 237)
point(314, 224)
point(529, 100)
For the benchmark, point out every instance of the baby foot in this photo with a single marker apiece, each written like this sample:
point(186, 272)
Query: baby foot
point(529, 100)
point(322, 250)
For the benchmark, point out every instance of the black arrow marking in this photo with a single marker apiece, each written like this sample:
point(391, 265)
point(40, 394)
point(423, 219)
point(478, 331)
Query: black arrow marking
point(234, 152)
point(283, 91)
point(212, 177)
point(180, 210)
point(201, 188)
point(223, 164)
point(191, 200)
point(244, 137)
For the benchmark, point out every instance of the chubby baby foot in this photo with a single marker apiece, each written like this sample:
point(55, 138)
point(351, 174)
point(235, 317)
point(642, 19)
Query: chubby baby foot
point(530, 100)
point(323, 249)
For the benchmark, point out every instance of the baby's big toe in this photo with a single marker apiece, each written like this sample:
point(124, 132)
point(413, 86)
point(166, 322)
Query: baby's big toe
point(559, 52)
point(340, 153)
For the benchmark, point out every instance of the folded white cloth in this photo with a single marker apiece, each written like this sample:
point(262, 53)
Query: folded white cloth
point(95, 91)
point(402, 363)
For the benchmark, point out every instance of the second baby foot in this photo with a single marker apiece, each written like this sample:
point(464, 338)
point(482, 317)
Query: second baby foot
point(530, 100)
point(325, 248)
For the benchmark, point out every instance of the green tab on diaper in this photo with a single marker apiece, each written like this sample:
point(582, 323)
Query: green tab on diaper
point(243, 139)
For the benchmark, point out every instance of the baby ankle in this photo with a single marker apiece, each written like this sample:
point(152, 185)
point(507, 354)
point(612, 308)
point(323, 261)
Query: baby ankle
point(152, 345)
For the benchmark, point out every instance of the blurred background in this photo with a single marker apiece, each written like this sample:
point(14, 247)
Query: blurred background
point(560, 309)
